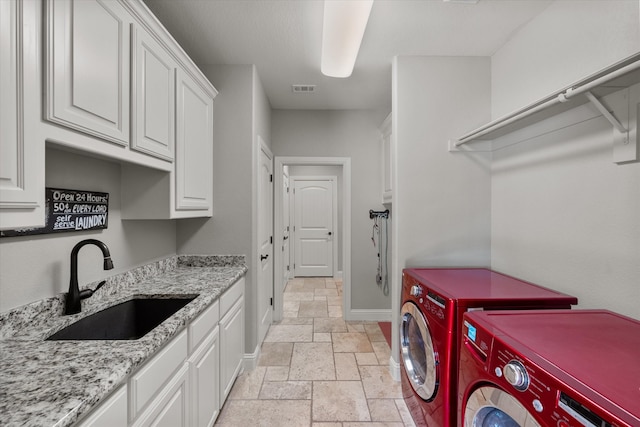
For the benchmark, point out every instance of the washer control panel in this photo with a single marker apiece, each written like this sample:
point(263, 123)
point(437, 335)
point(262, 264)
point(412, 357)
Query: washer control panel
point(534, 387)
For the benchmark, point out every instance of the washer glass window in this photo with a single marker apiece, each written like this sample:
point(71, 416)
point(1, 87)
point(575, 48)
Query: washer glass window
point(418, 354)
point(490, 406)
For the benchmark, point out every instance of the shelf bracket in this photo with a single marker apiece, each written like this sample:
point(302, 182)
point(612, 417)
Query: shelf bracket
point(623, 149)
point(607, 115)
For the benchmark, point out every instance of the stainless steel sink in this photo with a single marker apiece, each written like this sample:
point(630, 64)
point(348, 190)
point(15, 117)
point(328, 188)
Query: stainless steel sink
point(129, 320)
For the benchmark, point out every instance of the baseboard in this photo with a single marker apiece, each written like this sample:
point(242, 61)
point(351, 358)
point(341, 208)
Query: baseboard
point(394, 369)
point(369, 315)
point(250, 360)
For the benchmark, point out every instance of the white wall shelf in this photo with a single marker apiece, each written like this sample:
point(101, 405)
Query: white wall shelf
point(614, 78)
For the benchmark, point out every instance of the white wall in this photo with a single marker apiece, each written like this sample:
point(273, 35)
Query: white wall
point(351, 134)
point(228, 231)
point(569, 40)
point(241, 112)
point(37, 267)
point(261, 110)
point(563, 214)
point(441, 211)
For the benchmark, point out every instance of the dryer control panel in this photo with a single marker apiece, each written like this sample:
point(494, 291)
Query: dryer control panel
point(431, 304)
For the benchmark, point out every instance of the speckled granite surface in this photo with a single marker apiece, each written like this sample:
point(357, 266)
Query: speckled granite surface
point(53, 383)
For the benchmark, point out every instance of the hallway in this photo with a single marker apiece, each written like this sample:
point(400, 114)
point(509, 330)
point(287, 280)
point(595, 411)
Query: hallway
point(317, 370)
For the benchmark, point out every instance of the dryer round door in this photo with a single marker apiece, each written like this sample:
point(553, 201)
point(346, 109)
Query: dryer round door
point(489, 406)
point(418, 355)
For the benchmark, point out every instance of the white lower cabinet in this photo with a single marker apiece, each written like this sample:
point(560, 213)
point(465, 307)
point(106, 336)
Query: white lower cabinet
point(187, 381)
point(148, 380)
point(231, 345)
point(204, 375)
point(170, 408)
point(111, 413)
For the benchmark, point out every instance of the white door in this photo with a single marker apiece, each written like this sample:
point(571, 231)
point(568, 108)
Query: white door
point(286, 229)
point(313, 227)
point(265, 240)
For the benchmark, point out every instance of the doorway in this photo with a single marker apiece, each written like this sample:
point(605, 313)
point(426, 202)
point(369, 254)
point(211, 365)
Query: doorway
point(343, 202)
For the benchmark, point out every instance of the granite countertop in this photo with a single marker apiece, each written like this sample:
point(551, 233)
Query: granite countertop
point(53, 383)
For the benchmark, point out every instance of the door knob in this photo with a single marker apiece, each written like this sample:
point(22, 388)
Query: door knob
point(263, 257)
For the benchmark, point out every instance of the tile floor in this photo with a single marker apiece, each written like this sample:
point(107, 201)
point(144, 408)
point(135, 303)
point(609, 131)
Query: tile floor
point(316, 370)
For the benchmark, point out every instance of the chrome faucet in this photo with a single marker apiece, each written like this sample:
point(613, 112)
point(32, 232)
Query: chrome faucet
point(75, 295)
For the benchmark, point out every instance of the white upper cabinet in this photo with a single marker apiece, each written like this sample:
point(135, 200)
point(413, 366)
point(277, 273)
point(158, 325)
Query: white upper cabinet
point(22, 158)
point(387, 160)
point(88, 67)
point(115, 85)
point(153, 95)
point(194, 159)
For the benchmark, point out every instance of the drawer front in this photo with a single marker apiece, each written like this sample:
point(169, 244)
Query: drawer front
point(149, 379)
point(230, 296)
point(202, 325)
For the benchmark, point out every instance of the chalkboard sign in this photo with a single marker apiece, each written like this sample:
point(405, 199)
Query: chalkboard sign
point(69, 210)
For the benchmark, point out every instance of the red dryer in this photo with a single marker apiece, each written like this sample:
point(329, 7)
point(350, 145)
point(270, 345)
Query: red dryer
point(433, 303)
point(550, 368)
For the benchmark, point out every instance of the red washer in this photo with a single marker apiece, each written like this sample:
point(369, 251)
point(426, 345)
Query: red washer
point(549, 368)
point(433, 303)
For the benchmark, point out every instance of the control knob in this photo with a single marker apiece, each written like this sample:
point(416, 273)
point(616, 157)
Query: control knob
point(516, 374)
point(415, 291)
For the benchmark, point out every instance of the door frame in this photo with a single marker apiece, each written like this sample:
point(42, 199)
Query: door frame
point(334, 215)
point(345, 163)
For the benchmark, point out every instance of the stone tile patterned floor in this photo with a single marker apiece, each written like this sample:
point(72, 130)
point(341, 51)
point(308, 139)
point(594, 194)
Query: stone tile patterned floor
point(316, 370)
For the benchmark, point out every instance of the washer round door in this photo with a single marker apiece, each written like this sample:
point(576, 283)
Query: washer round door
point(418, 355)
point(490, 406)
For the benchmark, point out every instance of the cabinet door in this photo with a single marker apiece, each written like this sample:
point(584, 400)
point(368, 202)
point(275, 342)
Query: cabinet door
point(231, 347)
point(170, 408)
point(204, 371)
point(194, 146)
point(153, 89)
point(111, 413)
point(387, 160)
point(88, 65)
point(22, 158)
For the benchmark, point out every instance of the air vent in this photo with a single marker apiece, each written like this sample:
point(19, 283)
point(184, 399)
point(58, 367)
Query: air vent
point(303, 88)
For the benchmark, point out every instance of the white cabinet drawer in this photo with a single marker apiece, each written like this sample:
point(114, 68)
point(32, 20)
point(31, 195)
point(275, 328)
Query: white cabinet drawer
point(202, 325)
point(230, 296)
point(145, 383)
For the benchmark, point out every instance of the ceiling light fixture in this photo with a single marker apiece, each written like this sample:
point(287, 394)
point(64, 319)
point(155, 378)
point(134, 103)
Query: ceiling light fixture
point(342, 31)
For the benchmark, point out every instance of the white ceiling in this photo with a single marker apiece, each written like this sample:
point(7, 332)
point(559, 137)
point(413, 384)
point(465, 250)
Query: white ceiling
point(283, 38)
